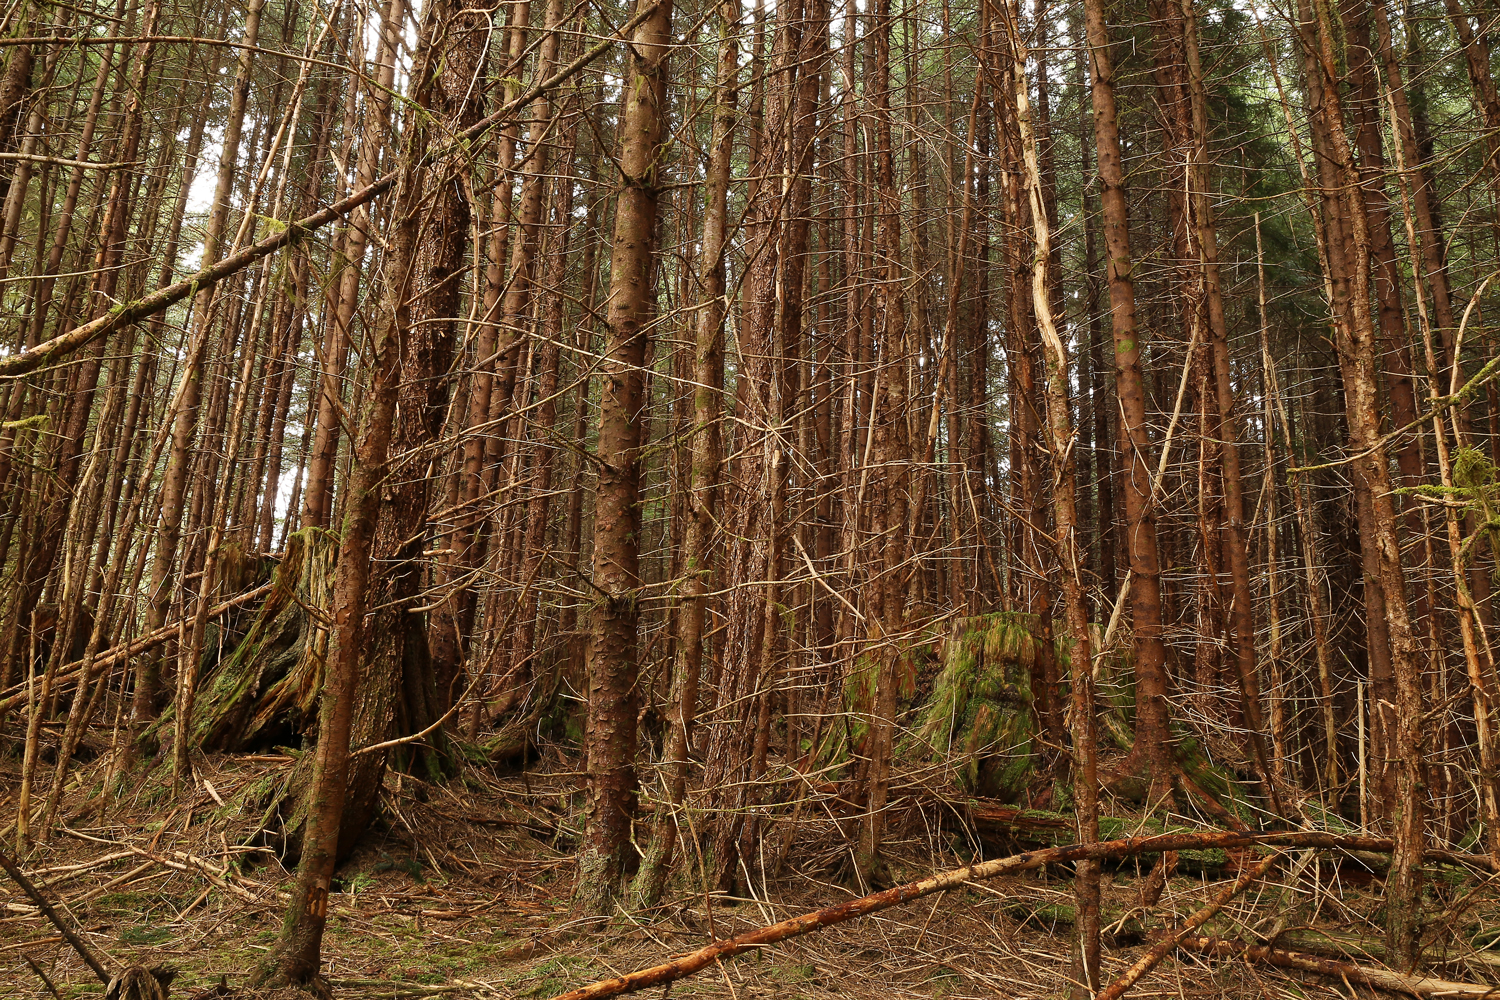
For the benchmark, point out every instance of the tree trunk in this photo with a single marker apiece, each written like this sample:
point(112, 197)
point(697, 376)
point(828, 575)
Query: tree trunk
point(616, 573)
point(1151, 755)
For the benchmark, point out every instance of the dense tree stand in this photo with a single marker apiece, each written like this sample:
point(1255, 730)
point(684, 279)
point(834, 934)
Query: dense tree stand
point(730, 445)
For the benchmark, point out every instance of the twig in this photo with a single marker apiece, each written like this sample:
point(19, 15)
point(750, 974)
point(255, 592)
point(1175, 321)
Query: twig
point(287, 234)
point(62, 926)
point(16, 694)
point(189, 863)
point(59, 162)
point(479, 675)
point(42, 974)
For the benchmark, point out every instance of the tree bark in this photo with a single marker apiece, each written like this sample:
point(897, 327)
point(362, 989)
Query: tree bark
point(612, 690)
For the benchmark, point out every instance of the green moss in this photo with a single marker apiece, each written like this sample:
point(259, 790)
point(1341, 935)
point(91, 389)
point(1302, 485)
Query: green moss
point(980, 711)
point(143, 934)
point(1044, 816)
point(264, 686)
point(944, 979)
point(1213, 780)
point(1047, 916)
point(802, 973)
point(551, 977)
point(1120, 827)
point(1208, 860)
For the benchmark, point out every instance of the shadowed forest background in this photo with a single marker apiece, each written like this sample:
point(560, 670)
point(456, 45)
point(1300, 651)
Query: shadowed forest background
point(729, 459)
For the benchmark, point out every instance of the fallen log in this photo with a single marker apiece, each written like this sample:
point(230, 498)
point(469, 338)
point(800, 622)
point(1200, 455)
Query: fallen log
point(1381, 979)
point(1011, 826)
point(1344, 945)
point(686, 965)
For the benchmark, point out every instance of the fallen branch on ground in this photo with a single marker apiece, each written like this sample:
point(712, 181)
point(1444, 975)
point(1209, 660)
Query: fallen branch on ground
point(1382, 979)
point(1169, 942)
point(685, 966)
point(64, 927)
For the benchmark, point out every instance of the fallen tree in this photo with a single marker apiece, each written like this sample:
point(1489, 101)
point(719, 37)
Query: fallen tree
point(806, 923)
point(1169, 942)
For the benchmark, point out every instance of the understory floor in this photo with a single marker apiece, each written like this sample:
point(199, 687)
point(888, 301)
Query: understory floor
point(463, 890)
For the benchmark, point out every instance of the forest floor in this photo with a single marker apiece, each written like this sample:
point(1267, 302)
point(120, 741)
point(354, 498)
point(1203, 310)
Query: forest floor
point(463, 890)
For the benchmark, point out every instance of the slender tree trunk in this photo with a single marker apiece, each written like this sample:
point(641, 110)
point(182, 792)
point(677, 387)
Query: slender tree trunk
point(1355, 336)
point(1152, 754)
point(189, 392)
point(706, 456)
point(616, 574)
point(342, 301)
point(1069, 553)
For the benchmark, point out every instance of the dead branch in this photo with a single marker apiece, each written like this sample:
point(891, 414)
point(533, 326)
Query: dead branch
point(16, 694)
point(42, 974)
point(63, 927)
point(828, 916)
point(288, 234)
point(1168, 943)
point(1382, 979)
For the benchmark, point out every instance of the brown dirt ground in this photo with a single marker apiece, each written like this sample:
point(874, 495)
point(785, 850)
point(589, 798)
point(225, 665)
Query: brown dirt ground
point(463, 891)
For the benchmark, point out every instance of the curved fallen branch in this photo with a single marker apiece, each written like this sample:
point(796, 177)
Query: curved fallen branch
point(680, 968)
point(1381, 979)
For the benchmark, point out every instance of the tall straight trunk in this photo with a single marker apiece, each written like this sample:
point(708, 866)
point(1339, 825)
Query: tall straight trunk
point(453, 620)
point(1235, 540)
point(543, 451)
point(15, 198)
point(1471, 624)
point(1341, 267)
point(14, 85)
point(74, 419)
point(1151, 753)
point(342, 301)
point(1069, 553)
point(426, 254)
point(497, 358)
point(755, 525)
point(1099, 404)
point(885, 604)
point(1032, 552)
point(612, 688)
point(1366, 104)
point(282, 374)
point(44, 283)
point(706, 457)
